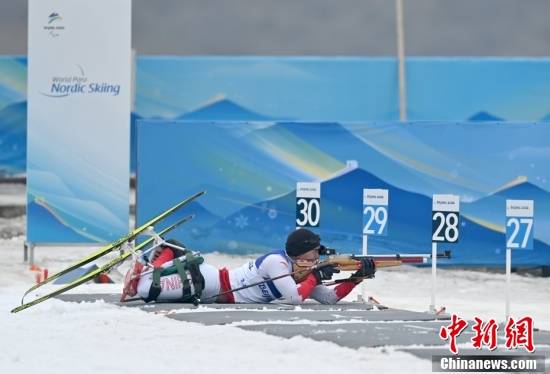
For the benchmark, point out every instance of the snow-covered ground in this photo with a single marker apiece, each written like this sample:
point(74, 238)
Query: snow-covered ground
point(59, 337)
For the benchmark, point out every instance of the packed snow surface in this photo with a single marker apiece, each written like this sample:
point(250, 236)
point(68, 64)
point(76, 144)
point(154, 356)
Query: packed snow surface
point(59, 337)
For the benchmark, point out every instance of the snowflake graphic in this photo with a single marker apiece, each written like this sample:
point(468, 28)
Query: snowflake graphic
point(272, 213)
point(241, 221)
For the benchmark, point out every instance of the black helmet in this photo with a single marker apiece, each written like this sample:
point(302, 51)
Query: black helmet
point(301, 241)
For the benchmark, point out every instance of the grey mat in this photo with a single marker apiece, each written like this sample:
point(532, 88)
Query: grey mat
point(233, 316)
point(216, 314)
point(356, 335)
point(376, 334)
point(114, 299)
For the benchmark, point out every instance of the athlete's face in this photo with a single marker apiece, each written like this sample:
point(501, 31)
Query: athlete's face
point(307, 259)
point(304, 261)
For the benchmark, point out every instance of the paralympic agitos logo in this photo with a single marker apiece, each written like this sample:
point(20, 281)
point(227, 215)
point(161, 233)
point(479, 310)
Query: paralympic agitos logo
point(79, 84)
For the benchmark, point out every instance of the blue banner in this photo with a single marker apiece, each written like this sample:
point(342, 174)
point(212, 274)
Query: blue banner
point(251, 169)
point(305, 89)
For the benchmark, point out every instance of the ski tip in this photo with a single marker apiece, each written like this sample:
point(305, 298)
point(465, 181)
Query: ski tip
point(184, 219)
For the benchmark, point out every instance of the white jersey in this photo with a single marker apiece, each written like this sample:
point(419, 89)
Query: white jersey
point(270, 265)
point(284, 290)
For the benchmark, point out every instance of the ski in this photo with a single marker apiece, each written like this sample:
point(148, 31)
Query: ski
point(102, 269)
point(114, 245)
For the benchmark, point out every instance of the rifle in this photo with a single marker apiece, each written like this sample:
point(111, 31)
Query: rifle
point(353, 262)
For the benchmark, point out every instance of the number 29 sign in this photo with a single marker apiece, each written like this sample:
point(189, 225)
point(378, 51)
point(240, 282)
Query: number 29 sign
point(375, 212)
point(308, 204)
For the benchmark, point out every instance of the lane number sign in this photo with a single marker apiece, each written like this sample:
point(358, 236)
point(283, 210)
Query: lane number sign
point(519, 224)
point(445, 218)
point(375, 212)
point(308, 204)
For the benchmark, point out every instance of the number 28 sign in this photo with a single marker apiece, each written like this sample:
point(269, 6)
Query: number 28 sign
point(445, 218)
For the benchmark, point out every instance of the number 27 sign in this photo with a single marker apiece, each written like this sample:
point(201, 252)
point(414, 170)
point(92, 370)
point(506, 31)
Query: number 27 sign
point(519, 224)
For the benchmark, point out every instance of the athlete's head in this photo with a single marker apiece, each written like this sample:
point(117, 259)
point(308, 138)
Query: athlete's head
point(303, 247)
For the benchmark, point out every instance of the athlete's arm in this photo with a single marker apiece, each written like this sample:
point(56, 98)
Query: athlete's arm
point(326, 295)
point(286, 288)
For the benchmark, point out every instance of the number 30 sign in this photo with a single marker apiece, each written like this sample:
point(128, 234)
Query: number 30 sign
point(308, 204)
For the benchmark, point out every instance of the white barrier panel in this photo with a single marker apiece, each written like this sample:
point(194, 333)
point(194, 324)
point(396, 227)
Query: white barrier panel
point(79, 93)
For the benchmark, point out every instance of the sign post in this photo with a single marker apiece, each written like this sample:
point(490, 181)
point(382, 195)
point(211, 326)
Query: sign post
point(445, 229)
point(519, 235)
point(375, 218)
